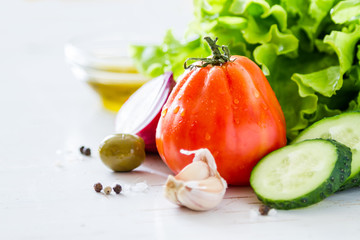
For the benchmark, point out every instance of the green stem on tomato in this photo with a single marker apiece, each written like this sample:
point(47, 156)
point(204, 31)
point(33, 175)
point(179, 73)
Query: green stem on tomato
point(217, 58)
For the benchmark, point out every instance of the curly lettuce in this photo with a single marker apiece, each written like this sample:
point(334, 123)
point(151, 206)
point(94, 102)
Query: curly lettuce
point(308, 49)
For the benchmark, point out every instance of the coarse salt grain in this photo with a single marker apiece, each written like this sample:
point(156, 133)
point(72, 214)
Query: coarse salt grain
point(140, 187)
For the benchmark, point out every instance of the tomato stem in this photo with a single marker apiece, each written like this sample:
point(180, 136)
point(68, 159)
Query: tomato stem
point(217, 58)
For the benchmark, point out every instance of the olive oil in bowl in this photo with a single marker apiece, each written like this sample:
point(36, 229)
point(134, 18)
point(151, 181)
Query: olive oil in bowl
point(113, 95)
point(115, 84)
point(103, 62)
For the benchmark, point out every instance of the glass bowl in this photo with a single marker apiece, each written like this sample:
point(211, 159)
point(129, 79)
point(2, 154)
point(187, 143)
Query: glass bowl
point(103, 62)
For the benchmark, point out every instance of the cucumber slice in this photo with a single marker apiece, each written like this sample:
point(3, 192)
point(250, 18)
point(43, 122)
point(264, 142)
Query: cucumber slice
point(302, 174)
point(343, 128)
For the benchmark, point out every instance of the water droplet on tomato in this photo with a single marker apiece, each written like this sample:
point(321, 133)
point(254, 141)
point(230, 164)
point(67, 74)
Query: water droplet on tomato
point(176, 110)
point(194, 123)
point(236, 101)
point(182, 113)
point(261, 124)
point(256, 93)
point(237, 121)
point(207, 136)
point(163, 112)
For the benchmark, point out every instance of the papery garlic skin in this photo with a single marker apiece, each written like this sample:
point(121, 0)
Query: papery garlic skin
point(199, 185)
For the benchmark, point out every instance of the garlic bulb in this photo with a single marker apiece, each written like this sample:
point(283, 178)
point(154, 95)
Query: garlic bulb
point(199, 185)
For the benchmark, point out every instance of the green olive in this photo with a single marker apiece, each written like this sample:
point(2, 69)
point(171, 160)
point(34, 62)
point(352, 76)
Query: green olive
point(122, 152)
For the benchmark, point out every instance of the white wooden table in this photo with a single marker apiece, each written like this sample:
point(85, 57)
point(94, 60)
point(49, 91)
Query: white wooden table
point(46, 115)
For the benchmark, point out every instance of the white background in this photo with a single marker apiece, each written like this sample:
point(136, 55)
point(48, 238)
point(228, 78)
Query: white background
point(46, 114)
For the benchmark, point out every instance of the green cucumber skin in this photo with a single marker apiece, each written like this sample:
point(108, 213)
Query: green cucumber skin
point(338, 176)
point(351, 182)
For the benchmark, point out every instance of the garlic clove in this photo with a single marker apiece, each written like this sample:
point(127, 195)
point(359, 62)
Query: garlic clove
point(172, 186)
point(202, 195)
point(203, 154)
point(211, 184)
point(198, 200)
point(196, 171)
point(198, 186)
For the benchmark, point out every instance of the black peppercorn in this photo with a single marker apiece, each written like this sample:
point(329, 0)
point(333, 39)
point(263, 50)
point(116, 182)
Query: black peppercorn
point(117, 188)
point(264, 210)
point(98, 187)
point(85, 151)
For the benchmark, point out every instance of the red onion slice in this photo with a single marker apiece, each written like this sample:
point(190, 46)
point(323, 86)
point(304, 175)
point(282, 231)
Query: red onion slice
point(141, 112)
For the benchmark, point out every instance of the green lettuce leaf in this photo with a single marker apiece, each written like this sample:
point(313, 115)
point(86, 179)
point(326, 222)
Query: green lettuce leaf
point(344, 45)
point(170, 56)
point(325, 82)
point(346, 11)
point(321, 112)
point(149, 60)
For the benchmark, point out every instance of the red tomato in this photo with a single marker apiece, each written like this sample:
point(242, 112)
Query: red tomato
point(229, 109)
